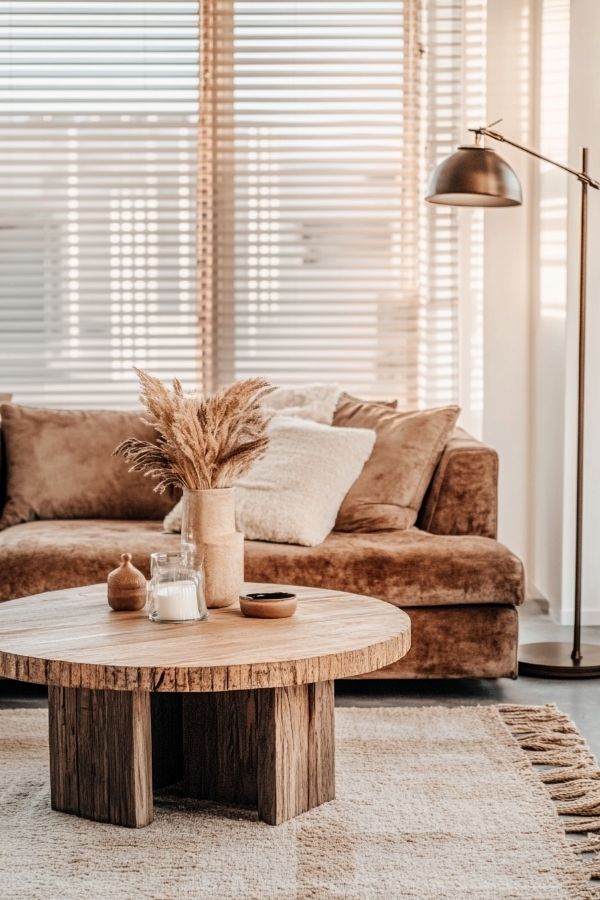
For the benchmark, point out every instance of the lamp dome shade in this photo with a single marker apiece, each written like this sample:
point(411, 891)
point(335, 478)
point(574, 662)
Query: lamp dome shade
point(474, 176)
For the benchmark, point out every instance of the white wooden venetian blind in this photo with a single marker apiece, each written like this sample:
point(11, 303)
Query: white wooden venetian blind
point(98, 170)
point(451, 253)
point(321, 120)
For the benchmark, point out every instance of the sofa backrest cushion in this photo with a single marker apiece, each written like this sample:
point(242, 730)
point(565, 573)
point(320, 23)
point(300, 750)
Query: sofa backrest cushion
point(59, 465)
point(390, 489)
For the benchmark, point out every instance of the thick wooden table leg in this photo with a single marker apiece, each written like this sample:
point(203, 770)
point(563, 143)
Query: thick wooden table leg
point(101, 755)
point(296, 751)
point(219, 746)
point(271, 748)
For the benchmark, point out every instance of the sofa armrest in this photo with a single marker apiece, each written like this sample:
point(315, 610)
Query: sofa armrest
point(463, 495)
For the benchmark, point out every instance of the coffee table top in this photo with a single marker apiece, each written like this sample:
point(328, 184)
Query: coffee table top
point(72, 638)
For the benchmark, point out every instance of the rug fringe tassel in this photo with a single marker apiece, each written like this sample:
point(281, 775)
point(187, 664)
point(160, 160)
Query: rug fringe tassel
point(583, 826)
point(576, 789)
point(564, 774)
point(552, 739)
point(589, 845)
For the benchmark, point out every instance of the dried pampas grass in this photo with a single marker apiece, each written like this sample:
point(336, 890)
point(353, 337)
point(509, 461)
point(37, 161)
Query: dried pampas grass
point(203, 443)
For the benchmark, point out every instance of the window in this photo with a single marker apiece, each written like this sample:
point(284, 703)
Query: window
point(98, 169)
point(319, 121)
point(322, 120)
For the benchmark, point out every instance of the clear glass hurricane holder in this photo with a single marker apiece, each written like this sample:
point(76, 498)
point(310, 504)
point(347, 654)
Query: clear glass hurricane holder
point(176, 589)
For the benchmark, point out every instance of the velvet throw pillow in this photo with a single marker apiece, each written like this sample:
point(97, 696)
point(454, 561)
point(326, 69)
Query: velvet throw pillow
point(389, 491)
point(60, 466)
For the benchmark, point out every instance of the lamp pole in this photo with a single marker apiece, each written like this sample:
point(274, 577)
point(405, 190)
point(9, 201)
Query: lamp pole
point(468, 179)
point(583, 229)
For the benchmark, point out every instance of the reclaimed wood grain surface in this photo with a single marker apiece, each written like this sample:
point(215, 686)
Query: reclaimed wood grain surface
point(100, 755)
point(71, 638)
point(270, 749)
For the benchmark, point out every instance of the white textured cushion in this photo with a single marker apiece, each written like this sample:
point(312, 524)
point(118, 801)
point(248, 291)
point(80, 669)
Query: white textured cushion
point(293, 494)
point(308, 401)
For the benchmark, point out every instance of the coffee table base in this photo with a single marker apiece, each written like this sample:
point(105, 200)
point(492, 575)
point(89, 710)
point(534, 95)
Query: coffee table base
point(101, 755)
point(271, 749)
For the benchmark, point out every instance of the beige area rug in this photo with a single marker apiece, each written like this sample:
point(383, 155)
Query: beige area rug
point(432, 803)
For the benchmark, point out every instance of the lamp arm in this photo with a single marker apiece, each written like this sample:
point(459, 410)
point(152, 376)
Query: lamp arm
point(582, 176)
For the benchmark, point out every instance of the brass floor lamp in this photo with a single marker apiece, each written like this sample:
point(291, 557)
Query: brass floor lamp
point(476, 176)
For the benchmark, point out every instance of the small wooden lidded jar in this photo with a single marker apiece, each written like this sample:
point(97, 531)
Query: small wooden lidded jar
point(126, 586)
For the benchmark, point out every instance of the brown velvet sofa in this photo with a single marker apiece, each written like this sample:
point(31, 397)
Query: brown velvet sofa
point(460, 586)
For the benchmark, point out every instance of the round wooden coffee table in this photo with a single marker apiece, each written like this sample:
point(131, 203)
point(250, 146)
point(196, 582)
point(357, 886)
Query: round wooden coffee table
point(239, 709)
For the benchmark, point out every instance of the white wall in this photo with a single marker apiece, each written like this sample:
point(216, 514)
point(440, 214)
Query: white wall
point(584, 129)
point(549, 303)
point(506, 416)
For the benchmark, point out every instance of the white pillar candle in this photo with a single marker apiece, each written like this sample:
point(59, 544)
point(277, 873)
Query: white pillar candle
point(176, 601)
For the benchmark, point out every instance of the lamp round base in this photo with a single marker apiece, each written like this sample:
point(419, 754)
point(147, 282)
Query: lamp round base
point(553, 660)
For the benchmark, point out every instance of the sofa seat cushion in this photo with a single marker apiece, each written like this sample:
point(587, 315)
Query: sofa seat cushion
point(48, 555)
point(407, 568)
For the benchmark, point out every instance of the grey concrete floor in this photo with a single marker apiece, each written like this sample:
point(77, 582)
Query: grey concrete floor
point(580, 699)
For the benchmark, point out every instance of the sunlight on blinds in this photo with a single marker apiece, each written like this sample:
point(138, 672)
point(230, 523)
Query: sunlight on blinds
point(98, 161)
point(452, 261)
point(554, 133)
point(322, 122)
point(319, 122)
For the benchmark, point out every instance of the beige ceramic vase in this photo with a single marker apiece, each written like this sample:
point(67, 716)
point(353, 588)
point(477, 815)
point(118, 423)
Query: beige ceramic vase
point(208, 530)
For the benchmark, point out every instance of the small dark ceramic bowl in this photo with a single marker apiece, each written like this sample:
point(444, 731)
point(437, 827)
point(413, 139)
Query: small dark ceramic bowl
point(268, 605)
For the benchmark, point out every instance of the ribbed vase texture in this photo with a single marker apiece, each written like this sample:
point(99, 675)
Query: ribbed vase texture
point(208, 529)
